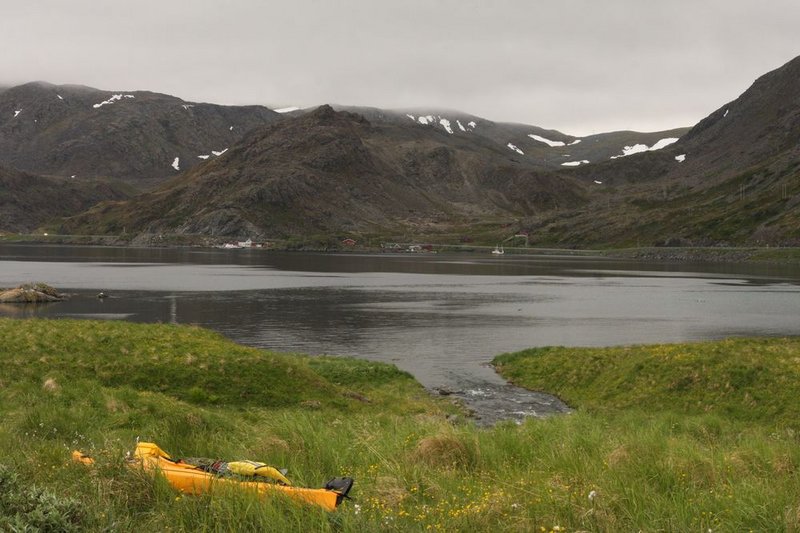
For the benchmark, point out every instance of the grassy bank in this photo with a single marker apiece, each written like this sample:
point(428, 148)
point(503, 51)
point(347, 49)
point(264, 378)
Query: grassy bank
point(755, 381)
point(610, 466)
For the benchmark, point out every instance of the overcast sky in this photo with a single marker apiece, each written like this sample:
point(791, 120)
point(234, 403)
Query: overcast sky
point(582, 66)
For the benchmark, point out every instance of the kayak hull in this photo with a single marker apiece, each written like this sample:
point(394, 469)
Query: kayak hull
point(189, 480)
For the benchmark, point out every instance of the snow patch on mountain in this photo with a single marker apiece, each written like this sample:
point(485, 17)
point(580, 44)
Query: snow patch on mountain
point(17, 112)
point(639, 148)
point(444, 122)
point(598, 182)
point(573, 143)
point(112, 99)
point(471, 124)
point(60, 97)
point(204, 156)
point(176, 163)
point(726, 113)
point(187, 106)
point(574, 163)
point(630, 150)
point(663, 143)
point(219, 153)
point(548, 142)
point(512, 147)
point(680, 158)
point(286, 109)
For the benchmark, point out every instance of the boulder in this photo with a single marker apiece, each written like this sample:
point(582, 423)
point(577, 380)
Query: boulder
point(31, 293)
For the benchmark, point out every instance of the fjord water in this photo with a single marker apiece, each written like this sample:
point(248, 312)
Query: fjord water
point(441, 317)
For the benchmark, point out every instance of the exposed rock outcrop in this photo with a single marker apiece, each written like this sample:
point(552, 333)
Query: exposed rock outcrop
point(31, 293)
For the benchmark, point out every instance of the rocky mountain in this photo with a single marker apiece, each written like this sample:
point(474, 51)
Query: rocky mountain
point(541, 148)
point(732, 179)
point(761, 126)
point(27, 201)
point(146, 138)
point(331, 172)
point(140, 137)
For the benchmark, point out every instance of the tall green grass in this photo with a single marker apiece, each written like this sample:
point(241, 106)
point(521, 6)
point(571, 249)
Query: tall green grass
point(98, 386)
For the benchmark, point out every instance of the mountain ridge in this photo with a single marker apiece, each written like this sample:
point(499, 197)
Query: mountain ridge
point(519, 137)
point(329, 171)
point(135, 136)
point(731, 179)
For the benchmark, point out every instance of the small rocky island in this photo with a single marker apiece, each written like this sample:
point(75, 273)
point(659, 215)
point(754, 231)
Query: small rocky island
point(31, 293)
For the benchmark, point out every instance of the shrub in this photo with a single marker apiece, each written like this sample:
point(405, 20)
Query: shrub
point(35, 509)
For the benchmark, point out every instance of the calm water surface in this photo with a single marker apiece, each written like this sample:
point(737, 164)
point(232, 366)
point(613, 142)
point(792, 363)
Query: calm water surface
point(440, 317)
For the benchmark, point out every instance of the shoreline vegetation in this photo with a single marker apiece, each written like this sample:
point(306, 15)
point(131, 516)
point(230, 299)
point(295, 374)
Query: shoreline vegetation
point(374, 244)
point(675, 437)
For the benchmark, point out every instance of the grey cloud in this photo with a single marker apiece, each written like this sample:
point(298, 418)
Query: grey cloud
point(580, 66)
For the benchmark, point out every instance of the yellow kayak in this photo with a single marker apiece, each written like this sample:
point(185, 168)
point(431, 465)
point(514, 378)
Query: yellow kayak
point(192, 479)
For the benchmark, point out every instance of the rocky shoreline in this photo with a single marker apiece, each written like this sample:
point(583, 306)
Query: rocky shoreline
point(710, 254)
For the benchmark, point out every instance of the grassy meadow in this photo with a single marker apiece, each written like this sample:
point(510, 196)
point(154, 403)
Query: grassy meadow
point(691, 437)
